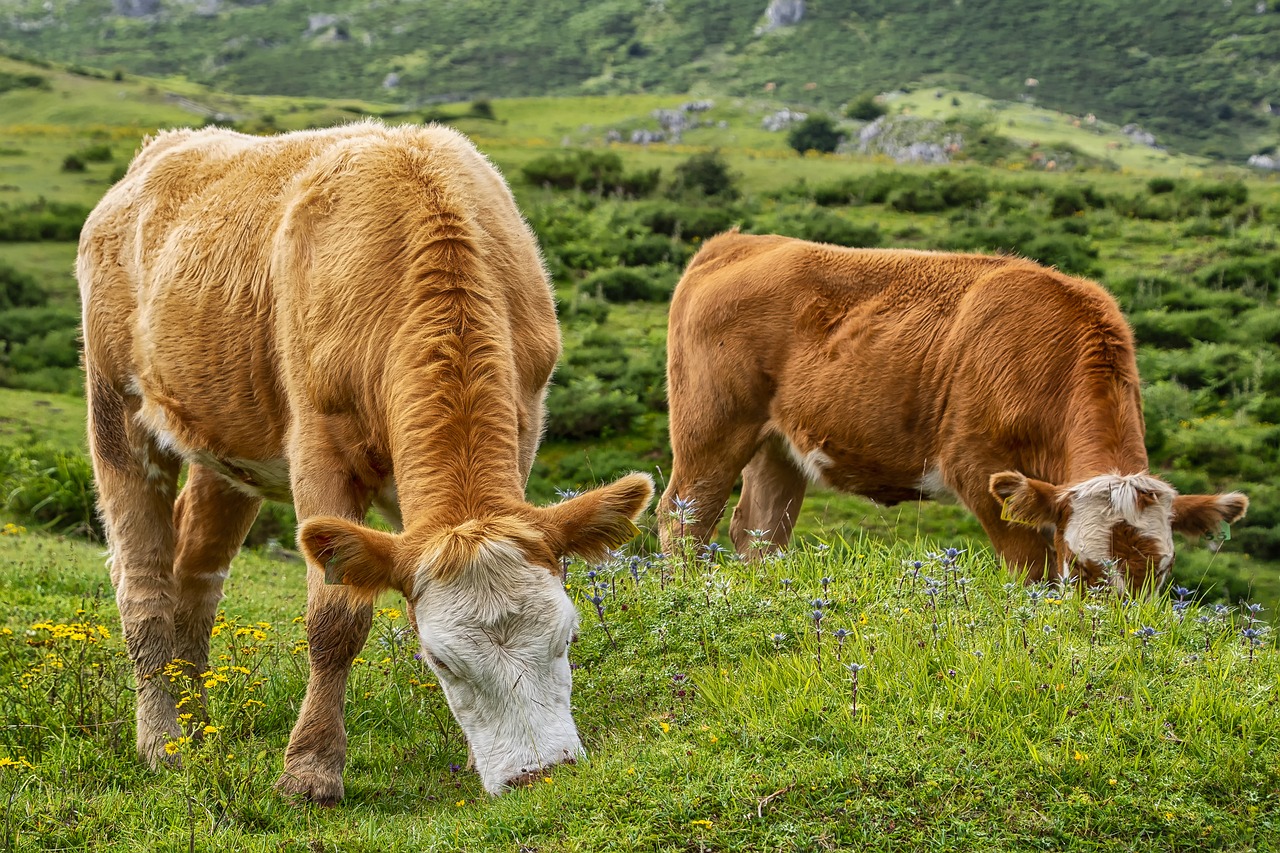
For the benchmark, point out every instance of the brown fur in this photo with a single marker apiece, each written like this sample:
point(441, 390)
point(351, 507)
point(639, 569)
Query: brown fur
point(893, 371)
point(346, 304)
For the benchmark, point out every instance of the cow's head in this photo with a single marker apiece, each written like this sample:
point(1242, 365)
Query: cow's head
point(494, 621)
point(1125, 523)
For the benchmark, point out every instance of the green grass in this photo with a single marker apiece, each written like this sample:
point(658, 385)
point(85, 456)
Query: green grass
point(30, 416)
point(988, 716)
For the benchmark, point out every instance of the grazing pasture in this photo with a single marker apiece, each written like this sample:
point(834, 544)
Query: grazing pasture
point(716, 700)
point(714, 697)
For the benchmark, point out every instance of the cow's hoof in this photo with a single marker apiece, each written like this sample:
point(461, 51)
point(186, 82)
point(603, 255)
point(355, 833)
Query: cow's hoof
point(311, 786)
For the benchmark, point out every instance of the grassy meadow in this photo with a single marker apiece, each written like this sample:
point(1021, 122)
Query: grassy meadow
point(837, 698)
point(715, 697)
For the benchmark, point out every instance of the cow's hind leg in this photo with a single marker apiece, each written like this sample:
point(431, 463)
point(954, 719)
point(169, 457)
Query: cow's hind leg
point(772, 491)
point(136, 482)
point(336, 631)
point(702, 476)
point(212, 518)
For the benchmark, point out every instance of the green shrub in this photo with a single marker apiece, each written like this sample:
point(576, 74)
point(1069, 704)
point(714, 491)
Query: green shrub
point(19, 325)
point(1252, 275)
point(56, 348)
point(654, 249)
point(1069, 201)
point(1219, 368)
point(921, 198)
point(821, 226)
point(690, 222)
point(73, 163)
point(583, 309)
point(95, 154)
point(1159, 186)
point(1261, 325)
point(844, 191)
point(586, 408)
point(596, 172)
point(706, 174)
point(865, 108)
point(1178, 330)
point(18, 290)
point(49, 487)
point(41, 220)
point(815, 133)
point(633, 284)
point(10, 82)
point(1188, 297)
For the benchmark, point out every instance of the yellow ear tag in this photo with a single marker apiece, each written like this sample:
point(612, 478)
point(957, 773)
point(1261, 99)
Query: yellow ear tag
point(632, 531)
point(1006, 515)
point(333, 571)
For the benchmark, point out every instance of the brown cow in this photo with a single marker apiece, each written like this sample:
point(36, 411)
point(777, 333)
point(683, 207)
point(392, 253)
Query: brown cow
point(900, 375)
point(339, 318)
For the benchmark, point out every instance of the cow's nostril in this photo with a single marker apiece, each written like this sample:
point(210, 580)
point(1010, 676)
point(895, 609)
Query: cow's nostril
point(524, 777)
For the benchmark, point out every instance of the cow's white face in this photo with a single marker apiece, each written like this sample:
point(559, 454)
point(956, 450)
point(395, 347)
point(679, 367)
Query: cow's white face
point(1118, 530)
point(497, 636)
point(493, 618)
point(1114, 528)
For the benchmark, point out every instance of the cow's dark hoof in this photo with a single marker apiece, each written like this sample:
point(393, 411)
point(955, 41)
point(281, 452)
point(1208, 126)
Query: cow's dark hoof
point(303, 786)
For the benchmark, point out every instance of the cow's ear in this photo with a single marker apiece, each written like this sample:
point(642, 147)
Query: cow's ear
point(591, 523)
point(1024, 500)
point(1207, 515)
point(359, 558)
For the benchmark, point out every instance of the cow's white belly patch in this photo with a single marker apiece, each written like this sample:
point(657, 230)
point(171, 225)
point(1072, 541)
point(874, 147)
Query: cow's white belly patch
point(814, 464)
point(935, 487)
point(260, 478)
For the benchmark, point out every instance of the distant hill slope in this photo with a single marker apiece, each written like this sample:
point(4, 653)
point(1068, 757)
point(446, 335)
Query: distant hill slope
point(1202, 76)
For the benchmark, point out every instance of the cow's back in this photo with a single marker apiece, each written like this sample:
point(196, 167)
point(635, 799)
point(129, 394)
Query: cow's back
point(226, 272)
point(889, 358)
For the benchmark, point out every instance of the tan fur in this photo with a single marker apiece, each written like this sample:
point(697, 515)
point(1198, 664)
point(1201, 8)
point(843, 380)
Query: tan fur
point(894, 374)
point(343, 304)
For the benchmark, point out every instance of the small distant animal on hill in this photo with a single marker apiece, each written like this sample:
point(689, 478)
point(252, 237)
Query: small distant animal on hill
point(901, 375)
point(338, 318)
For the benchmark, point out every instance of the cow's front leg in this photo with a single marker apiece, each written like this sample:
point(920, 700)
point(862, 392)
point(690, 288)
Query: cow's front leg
point(336, 631)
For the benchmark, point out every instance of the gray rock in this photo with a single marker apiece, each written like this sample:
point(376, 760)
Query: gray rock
point(782, 13)
point(782, 119)
point(135, 8)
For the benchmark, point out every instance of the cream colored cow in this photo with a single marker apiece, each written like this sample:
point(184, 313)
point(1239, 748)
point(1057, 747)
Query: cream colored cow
point(339, 318)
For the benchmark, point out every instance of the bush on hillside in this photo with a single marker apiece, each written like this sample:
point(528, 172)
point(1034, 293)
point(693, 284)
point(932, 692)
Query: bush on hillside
point(586, 408)
point(821, 226)
point(689, 222)
point(1251, 276)
point(865, 108)
point(706, 174)
point(17, 290)
point(633, 284)
point(49, 487)
point(815, 133)
point(41, 220)
point(1177, 330)
point(596, 172)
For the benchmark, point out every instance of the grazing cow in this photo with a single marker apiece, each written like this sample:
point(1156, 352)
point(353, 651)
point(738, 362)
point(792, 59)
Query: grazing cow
point(339, 318)
point(900, 375)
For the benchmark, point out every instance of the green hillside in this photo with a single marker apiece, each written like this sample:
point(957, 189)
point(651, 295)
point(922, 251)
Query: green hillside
point(1187, 248)
point(1200, 76)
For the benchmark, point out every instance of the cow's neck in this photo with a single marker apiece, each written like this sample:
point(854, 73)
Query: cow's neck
point(451, 410)
point(1106, 432)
